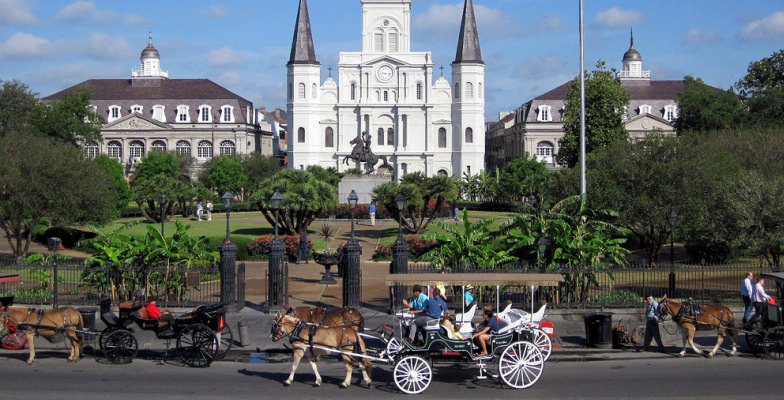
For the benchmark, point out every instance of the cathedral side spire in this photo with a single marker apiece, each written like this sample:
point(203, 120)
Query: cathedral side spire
point(468, 43)
point(302, 49)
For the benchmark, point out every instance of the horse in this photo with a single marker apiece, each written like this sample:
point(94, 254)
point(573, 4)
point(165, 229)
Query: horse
point(712, 316)
point(361, 153)
point(347, 316)
point(48, 323)
point(303, 336)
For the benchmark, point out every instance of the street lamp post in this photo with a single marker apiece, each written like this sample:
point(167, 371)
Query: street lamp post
point(54, 245)
point(399, 263)
point(673, 219)
point(277, 281)
point(162, 204)
point(352, 276)
point(228, 263)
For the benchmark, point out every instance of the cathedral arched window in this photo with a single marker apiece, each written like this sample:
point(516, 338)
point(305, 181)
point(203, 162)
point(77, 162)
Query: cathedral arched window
point(301, 135)
point(329, 137)
point(353, 91)
point(386, 96)
point(380, 136)
point(480, 91)
point(469, 135)
point(114, 150)
point(391, 137)
point(393, 40)
point(314, 89)
point(301, 91)
point(469, 90)
point(457, 90)
point(419, 91)
point(442, 138)
point(378, 41)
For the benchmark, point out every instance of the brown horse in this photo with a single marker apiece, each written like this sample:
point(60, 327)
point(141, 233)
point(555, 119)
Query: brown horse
point(306, 338)
point(712, 316)
point(339, 317)
point(47, 323)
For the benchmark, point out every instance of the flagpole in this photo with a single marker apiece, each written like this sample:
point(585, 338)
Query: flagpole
point(583, 180)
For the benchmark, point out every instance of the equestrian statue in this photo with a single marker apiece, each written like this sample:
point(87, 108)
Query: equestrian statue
point(362, 153)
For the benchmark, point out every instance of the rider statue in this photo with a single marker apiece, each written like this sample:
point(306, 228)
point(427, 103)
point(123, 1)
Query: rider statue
point(362, 153)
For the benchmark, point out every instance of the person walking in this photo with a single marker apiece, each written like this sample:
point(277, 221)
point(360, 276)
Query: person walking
point(199, 211)
point(302, 254)
point(372, 210)
point(209, 210)
point(746, 289)
point(652, 324)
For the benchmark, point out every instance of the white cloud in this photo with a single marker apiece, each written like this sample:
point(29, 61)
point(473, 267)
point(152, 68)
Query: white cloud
point(551, 22)
point(443, 21)
point(84, 11)
point(695, 35)
point(25, 45)
point(16, 12)
point(223, 56)
point(770, 27)
point(229, 78)
point(615, 18)
point(217, 12)
point(105, 47)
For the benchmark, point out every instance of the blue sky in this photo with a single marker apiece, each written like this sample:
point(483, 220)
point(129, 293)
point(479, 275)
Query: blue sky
point(529, 46)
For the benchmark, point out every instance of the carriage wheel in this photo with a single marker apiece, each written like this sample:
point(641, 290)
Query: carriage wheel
point(225, 340)
point(774, 343)
point(521, 364)
point(196, 345)
point(413, 374)
point(120, 347)
point(104, 334)
point(15, 339)
point(393, 347)
point(543, 342)
point(754, 340)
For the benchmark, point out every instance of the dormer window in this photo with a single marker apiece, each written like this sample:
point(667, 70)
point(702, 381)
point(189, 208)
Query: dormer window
point(205, 113)
point(182, 114)
point(645, 109)
point(544, 114)
point(670, 112)
point(136, 109)
point(227, 114)
point(159, 113)
point(114, 113)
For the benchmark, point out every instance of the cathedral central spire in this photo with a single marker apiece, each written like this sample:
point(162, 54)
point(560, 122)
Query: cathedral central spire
point(468, 43)
point(302, 49)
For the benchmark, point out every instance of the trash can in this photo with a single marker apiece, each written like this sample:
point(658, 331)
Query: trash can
point(88, 316)
point(598, 329)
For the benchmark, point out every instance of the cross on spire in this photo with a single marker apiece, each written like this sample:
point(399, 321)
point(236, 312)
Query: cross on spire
point(442, 70)
point(330, 71)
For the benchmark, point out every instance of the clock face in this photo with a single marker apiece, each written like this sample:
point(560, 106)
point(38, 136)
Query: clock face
point(384, 73)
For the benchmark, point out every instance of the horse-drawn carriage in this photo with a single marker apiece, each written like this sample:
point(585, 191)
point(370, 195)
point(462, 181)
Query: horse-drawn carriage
point(767, 333)
point(512, 353)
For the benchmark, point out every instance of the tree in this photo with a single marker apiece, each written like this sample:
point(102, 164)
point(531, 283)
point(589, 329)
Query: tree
point(114, 171)
point(70, 120)
point(522, 178)
point(424, 198)
point(17, 104)
point(605, 100)
point(328, 175)
point(42, 183)
point(258, 168)
point(704, 108)
point(763, 90)
point(304, 196)
point(158, 174)
point(224, 173)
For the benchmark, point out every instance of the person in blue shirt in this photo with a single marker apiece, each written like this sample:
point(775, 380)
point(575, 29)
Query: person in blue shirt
point(417, 307)
point(484, 329)
point(468, 296)
point(652, 324)
point(434, 307)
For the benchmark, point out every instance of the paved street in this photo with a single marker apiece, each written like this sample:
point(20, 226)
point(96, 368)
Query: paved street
point(664, 378)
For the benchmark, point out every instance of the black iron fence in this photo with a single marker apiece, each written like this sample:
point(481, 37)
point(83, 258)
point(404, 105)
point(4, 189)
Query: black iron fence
point(70, 282)
point(613, 287)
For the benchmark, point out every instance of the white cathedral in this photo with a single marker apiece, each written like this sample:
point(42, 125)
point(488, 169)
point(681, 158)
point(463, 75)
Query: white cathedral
point(411, 113)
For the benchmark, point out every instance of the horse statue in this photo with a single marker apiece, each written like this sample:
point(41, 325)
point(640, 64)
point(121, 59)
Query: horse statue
point(691, 318)
point(339, 317)
point(310, 339)
point(361, 153)
point(46, 323)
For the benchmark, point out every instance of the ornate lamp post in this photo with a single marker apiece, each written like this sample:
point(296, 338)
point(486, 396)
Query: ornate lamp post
point(228, 263)
point(399, 263)
point(162, 204)
point(277, 282)
point(673, 219)
point(352, 275)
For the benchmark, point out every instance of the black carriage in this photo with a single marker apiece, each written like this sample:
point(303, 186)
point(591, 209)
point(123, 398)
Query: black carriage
point(767, 333)
point(201, 335)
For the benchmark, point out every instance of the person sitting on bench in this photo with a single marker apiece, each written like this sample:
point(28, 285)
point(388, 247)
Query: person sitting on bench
point(484, 329)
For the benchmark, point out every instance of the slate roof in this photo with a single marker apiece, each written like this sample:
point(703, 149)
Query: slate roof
point(468, 50)
point(657, 90)
point(167, 89)
point(302, 49)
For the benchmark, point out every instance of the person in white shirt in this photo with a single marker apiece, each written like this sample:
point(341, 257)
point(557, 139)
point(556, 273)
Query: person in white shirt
point(746, 289)
point(759, 298)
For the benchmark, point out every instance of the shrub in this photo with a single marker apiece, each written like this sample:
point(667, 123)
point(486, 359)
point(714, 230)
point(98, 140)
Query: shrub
point(616, 298)
point(416, 248)
point(261, 246)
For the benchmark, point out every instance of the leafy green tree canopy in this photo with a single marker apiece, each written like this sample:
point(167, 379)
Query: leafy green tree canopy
point(763, 89)
point(158, 174)
point(70, 120)
point(17, 104)
point(424, 197)
point(114, 170)
point(522, 178)
point(224, 173)
point(704, 108)
point(258, 168)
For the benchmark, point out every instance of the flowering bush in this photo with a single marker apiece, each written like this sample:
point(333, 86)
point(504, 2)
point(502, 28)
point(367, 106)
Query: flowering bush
point(416, 248)
point(261, 246)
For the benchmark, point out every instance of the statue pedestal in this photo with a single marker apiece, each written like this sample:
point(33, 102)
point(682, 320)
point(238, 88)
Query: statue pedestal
point(362, 184)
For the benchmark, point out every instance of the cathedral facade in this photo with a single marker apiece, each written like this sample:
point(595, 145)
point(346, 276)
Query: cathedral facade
point(388, 97)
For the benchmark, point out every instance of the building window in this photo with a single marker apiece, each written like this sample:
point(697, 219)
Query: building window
point(291, 90)
point(136, 149)
point(391, 137)
point(670, 112)
point(419, 91)
point(91, 150)
point(544, 152)
point(136, 109)
point(442, 172)
point(442, 138)
point(544, 114)
point(205, 114)
point(159, 113)
point(468, 170)
point(182, 114)
point(457, 90)
point(114, 150)
point(227, 114)
point(114, 113)
point(353, 91)
point(314, 89)
point(469, 90)
point(469, 135)
point(329, 137)
point(386, 95)
point(480, 91)
point(645, 109)
point(380, 136)
point(159, 145)
point(301, 135)
point(227, 148)
point(183, 148)
point(301, 91)
point(403, 169)
point(204, 150)
point(393, 41)
point(378, 41)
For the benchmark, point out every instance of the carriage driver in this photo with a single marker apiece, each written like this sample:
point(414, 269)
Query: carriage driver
point(416, 306)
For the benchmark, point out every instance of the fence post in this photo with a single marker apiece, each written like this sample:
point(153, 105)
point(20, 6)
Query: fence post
point(228, 273)
point(54, 245)
point(241, 286)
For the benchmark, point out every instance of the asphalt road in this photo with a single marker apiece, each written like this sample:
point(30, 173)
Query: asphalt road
point(689, 378)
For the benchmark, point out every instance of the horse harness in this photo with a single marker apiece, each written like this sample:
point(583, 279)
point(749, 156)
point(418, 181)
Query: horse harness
point(690, 312)
point(296, 335)
point(39, 318)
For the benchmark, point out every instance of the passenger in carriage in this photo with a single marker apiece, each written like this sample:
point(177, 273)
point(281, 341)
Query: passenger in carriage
point(468, 296)
point(433, 309)
point(153, 312)
point(484, 329)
